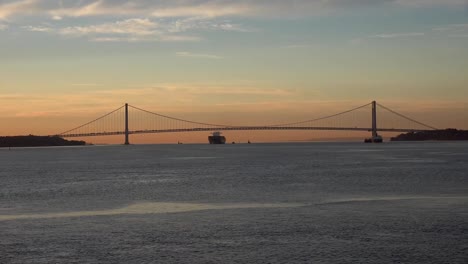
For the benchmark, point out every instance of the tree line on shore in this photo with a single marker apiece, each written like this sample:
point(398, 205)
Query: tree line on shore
point(37, 141)
point(447, 134)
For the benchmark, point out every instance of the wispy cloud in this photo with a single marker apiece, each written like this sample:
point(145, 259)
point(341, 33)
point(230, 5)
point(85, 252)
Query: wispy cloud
point(247, 91)
point(44, 114)
point(297, 46)
point(37, 28)
point(202, 23)
point(142, 29)
point(156, 38)
point(453, 30)
point(135, 26)
point(128, 30)
point(195, 8)
point(116, 39)
point(96, 8)
point(86, 84)
point(458, 35)
point(212, 89)
point(399, 35)
point(168, 20)
point(24, 7)
point(179, 38)
point(3, 27)
point(451, 27)
point(178, 97)
point(198, 55)
point(204, 9)
point(362, 40)
point(426, 3)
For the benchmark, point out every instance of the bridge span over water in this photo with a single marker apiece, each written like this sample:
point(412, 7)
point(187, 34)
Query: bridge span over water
point(127, 120)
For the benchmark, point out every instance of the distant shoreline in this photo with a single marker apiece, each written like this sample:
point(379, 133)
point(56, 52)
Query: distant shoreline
point(435, 135)
point(37, 141)
point(32, 141)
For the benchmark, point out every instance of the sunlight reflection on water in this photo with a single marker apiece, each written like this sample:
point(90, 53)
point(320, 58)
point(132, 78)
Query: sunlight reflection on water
point(147, 208)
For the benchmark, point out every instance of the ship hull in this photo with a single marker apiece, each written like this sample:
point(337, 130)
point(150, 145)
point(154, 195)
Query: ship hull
point(217, 140)
point(377, 139)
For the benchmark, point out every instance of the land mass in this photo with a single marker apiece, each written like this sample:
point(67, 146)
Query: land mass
point(37, 141)
point(447, 134)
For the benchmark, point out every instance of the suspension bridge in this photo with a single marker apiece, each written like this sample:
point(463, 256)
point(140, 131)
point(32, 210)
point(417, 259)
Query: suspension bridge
point(127, 120)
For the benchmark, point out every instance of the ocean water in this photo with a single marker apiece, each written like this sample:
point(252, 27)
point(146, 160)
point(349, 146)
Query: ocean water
point(260, 203)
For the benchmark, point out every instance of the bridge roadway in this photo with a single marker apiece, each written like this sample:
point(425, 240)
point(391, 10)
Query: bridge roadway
point(239, 128)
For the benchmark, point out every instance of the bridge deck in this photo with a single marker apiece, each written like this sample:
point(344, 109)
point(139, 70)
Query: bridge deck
point(210, 129)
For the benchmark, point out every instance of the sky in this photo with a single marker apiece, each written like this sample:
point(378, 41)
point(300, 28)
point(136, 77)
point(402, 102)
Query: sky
point(63, 63)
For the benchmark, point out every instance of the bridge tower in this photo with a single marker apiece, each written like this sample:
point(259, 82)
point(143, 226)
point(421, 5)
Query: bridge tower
point(374, 119)
point(126, 125)
point(375, 136)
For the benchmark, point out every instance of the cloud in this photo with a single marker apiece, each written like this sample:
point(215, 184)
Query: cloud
point(47, 114)
point(86, 84)
point(200, 23)
point(204, 9)
point(38, 28)
point(362, 40)
point(248, 91)
point(135, 26)
point(160, 38)
point(400, 35)
point(3, 27)
point(234, 27)
point(98, 8)
point(213, 89)
point(356, 3)
point(197, 55)
point(142, 29)
point(177, 97)
point(297, 46)
point(179, 38)
point(196, 8)
point(453, 30)
point(426, 3)
point(458, 35)
point(452, 27)
point(165, 20)
point(128, 30)
point(25, 7)
point(114, 39)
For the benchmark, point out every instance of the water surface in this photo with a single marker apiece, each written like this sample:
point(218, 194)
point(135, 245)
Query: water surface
point(259, 203)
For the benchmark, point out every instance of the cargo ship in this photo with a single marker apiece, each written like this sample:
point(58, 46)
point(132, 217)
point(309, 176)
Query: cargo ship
point(216, 138)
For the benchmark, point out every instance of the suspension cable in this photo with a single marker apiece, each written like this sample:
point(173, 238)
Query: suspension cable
point(97, 119)
point(322, 118)
point(407, 118)
point(178, 119)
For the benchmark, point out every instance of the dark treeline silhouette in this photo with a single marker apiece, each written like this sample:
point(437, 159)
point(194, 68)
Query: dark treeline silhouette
point(37, 141)
point(448, 134)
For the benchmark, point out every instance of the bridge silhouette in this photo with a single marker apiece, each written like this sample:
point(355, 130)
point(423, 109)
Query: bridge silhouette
point(127, 120)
